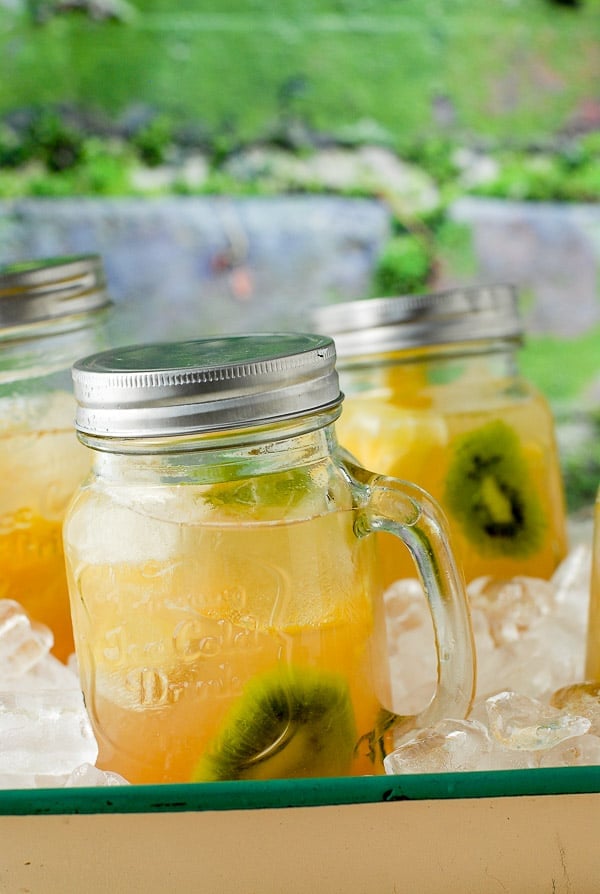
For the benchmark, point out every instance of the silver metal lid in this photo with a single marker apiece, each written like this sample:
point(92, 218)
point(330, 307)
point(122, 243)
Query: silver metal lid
point(204, 385)
point(379, 325)
point(46, 289)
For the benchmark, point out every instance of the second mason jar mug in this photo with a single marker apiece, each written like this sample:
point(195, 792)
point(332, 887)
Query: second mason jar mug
point(434, 394)
point(52, 311)
point(223, 574)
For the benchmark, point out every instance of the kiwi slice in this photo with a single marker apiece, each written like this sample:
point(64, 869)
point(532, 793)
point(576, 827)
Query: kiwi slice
point(289, 723)
point(489, 492)
point(282, 489)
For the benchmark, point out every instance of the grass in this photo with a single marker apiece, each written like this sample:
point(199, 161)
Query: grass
point(561, 368)
point(240, 67)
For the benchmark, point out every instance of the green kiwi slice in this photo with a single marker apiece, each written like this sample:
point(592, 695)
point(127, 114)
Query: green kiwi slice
point(288, 723)
point(489, 493)
point(283, 489)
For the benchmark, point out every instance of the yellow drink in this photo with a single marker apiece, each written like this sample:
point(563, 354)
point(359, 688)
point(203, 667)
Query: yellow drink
point(169, 646)
point(52, 311)
point(434, 395)
point(411, 427)
point(592, 666)
point(41, 464)
point(223, 574)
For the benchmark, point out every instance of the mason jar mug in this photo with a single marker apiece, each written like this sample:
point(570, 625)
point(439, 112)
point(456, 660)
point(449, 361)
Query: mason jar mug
point(52, 311)
point(223, 571)
point(434, 394)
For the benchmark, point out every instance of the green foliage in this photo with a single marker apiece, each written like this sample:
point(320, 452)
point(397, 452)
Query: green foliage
point(580, 464)
point(570, 174)
point(54, 141)
point(589, 146)
point(105, 170)
point(435, 155)
point(13, 150)
point(561, 367)
point(102, 170)
point(453, 247)
point(581, 473)
point(153, 140)
point(505, 70)
point(46, 136)
point(403, 266)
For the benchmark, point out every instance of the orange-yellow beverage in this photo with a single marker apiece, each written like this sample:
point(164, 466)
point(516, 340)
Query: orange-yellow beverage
point(484, 448)
point(52, 311)
point(434, 395)
point(592, 665)
point(214, 649)
point(41, 464)
point(223, 573)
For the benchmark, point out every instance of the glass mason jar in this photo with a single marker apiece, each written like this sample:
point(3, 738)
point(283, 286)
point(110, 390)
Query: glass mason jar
point(434, 395)
point(592, 662)
point(51, 312)
point(227, 612)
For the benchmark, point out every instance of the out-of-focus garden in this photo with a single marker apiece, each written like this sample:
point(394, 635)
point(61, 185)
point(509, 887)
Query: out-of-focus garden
point(240, 162)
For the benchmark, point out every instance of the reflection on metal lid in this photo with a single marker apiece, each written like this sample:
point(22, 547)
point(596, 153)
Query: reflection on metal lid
point(378, 325)
point(50, 288)
point(204, 385)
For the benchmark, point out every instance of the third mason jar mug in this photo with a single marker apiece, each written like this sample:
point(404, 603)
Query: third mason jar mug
point(434, 394)
point(223, 577)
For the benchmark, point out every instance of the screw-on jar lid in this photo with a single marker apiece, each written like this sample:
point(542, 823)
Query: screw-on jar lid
point(46, 289)
point(379, 325)
point(204, 385)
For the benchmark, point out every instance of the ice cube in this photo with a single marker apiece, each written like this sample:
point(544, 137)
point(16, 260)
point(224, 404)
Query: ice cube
point(411, 646)
point(44, 732)
point(88, 775)
point(579, 751)
point(522, 618)
point(24, 780)
point(22, 642)
point(449, 746)
point(132, 524)
point(543, 658)
point(512, 606)
point(500, 758)
point(48, 673)
point(520, 722)
point(580, 698)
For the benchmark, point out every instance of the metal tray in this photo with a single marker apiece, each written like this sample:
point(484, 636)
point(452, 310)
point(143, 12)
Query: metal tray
point(514, 830)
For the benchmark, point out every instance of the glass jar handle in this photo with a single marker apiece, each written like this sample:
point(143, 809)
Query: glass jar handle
point(404, 509)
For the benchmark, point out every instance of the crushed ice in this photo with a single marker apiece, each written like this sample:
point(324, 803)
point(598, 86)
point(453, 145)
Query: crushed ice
point(533, 707)
point(46, 738)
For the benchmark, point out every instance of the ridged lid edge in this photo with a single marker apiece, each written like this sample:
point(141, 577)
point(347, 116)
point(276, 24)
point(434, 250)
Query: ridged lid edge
point(376, 325)
point(50, 288)
point(178, 388)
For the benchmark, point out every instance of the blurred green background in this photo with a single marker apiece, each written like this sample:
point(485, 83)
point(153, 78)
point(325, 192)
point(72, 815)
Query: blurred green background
point(497, 101)
point(239, 70)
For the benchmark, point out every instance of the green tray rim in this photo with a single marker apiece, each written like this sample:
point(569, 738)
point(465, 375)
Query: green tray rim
point(318, 792)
